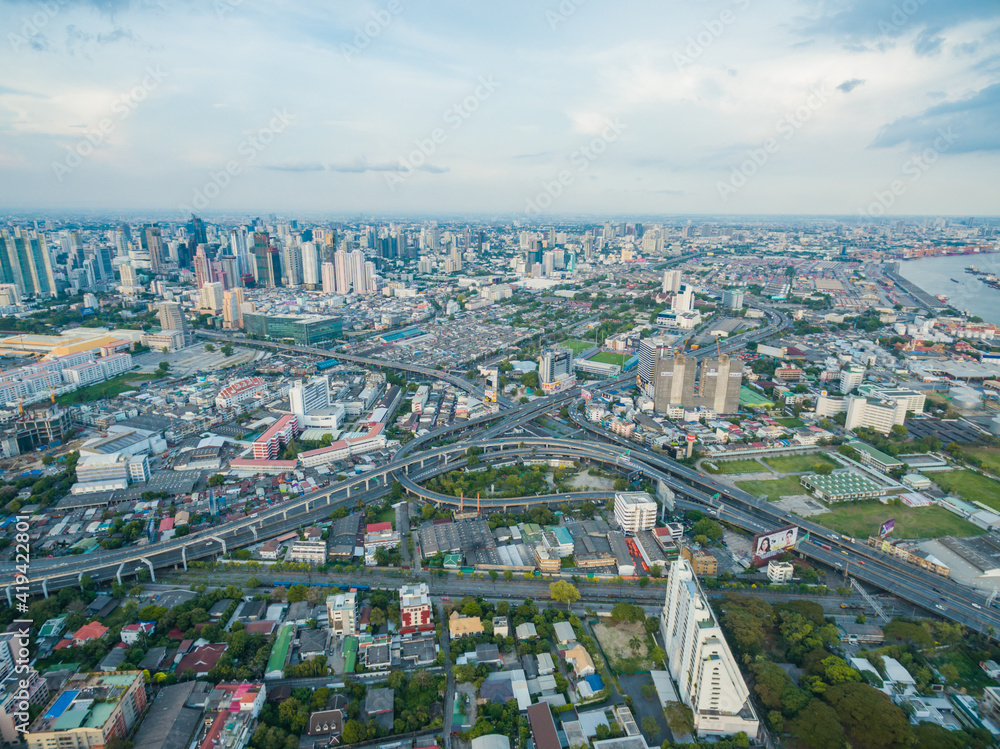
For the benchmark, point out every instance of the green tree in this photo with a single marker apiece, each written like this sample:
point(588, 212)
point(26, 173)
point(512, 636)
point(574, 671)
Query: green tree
point(296, 593)
point(226, 349)
point(868, 716)
point(818, 727)
point(563, 592)
point(679, 718)
point(209, 347)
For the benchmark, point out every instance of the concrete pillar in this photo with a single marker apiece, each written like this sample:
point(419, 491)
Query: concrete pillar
point(152, 574)
point(10, 598)
point(184, 557)
point(284, 515)
point(45, 587)
point(79, 579)
point(367, 485)
point(254, 532)
point(348, 492)
point(118, 574)
point(221, 541)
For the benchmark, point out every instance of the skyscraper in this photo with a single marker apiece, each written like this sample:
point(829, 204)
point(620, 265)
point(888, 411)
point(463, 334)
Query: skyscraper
point(651, 349)
point(702, 665)
point(718, 383)
point(232, 309)
point(239, 245)
point(310, 265)
point(671, 281)
point(211, 297)
point(152, 242)
point(170, 315)
point(357, 267)
point(683, 300)
point(130, 284)
point(25, 262)
point(329, 279)
point(673, 382)
point(343, 272)
point(292, 256)
point(201, 269)
point(553, 363)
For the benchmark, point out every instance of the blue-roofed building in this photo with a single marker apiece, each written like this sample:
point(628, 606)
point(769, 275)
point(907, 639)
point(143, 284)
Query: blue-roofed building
point(595, 681)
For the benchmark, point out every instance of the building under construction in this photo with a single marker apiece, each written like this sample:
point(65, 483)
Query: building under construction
point(683, 382)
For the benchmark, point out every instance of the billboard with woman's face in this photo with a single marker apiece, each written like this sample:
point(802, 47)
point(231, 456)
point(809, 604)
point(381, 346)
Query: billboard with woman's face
point(768, 545)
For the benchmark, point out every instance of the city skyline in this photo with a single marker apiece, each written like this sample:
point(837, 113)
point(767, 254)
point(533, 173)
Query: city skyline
point(732, 108)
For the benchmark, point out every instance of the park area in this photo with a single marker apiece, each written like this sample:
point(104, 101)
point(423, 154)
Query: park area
point(733, 466)
point(862, 519)
point(773, 489)
point(813, 463)
point(970, 486)
point(626, 646)
point(990, 456)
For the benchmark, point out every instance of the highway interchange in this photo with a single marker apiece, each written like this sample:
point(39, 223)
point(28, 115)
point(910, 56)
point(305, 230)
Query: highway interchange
point(421, 459)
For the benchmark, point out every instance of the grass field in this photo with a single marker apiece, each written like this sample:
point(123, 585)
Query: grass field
point(799, 463)
point(970, 675)
point(576, 345)
point(861, 519)
point(775, 489)
point(969, 486)
point(990, 457)
point(387, 516)
point(609, 357)
point(791, 422)
point(734, 466)
point(107, 389)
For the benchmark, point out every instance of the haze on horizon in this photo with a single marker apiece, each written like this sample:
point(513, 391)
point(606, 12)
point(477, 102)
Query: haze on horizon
point(883, 107)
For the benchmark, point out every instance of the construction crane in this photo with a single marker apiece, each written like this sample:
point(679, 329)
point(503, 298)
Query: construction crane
point(20, 405)
point(52, 393)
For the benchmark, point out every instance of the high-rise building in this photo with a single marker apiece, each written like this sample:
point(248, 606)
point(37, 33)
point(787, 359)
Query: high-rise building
point(635, 511)
point(239, 245)
point(170, 315)
point(267, 262)
point(671, 281)
point(232, 309)
point(651, 349)
point(700, 662)
point(211, 297)
point(152, 243)
point(357, 268)
point(329, 278)
point(343, 272)
point(308, 397)
point(310, 265)
point(732, 299)
point(553, 363)
point(202, 274)
point(719, 384)
point(130, 284)
point(25, 262)
point(292, 256)
point(683, 300)
point(673, 378)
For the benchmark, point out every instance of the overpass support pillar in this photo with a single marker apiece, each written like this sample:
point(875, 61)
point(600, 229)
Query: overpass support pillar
point(152, 574)
point(367, 484)
point(222, 542)
point(45, 587)
point(10, 598)
point(308, 507)
point(254, 532)
point(284, 515)
point(184, 557)
point(348, 492)
point(118, 574)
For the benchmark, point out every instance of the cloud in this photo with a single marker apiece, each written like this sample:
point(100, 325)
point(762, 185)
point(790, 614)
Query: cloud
point(974, 120)
point(928, 43)
point(848, 86)
point(356, 166)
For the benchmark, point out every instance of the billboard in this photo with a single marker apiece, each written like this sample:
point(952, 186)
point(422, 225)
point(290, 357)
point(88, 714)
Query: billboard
point(769, 545)
point(886, 527)
point(586, 394)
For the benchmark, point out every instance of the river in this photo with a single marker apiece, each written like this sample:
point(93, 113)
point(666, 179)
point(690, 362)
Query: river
point(934, 274)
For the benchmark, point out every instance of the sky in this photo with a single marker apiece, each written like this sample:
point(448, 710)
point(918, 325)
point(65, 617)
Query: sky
point(865, 108)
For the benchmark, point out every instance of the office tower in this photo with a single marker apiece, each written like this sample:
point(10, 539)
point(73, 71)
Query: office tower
point(310, 265)
point(129, 281)
point(425, 265)
point(152, 242)
point(673, 381)
point(123, 236)
point(239, 245)
point(329, 279)
point(230, 271)
point(232, 309)
point(309, 397)
point(683, 300)
point(672, 281)
point(25, 262)
point(102, 262)
point(548, 264)
point(357, 271)
point(651, 349)
point(455, 255)
point(732, 299)
point(201, 269)
point(370, 278)
point(588, 248)
point(211, 297)
point(719, 384)
point(9, 295)
point(635, 511)
point(401, 249)
point(293, 265)
point(699, 659)
point(170, 315)
point(553, 363)
point(267, 262)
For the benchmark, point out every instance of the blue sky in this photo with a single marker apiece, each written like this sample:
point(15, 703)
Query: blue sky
point(584, 106)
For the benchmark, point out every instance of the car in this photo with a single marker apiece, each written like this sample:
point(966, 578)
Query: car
point(939, 606)
point(977, 606)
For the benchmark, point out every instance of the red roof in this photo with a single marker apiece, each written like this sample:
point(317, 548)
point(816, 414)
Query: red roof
point(201, 660)
point(378, 527)
point(262, 627)
point(62, 644)
point(92, 631)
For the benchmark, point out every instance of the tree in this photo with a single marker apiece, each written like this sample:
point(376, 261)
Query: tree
point(226, 350)
point(376, 619)
point(949, 672)
point(679, 718)
point(209, 347)
point(817, 726)
point(563, 592)
point(869, 718)
point(297, 593)
point(508, 575)
point(649, 726)
point(354, 731)
point(163, 367)
point(620, 485)
point(216, 480)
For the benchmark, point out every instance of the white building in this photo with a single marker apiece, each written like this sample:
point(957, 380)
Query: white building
point(880, 416)
point(342, 613)
point(780, 572)
point(635, 511)
point(308, 552)
point(700, 662)
point(239, 392)
point(850, 378)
